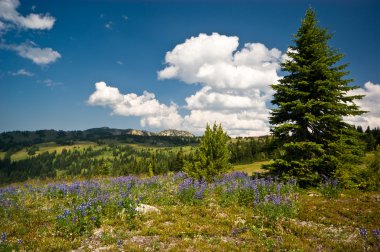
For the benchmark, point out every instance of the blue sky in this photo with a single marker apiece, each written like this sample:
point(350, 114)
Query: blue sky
point(166, 64)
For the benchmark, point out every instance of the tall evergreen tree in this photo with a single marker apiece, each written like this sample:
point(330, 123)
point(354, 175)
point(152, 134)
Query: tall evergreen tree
point(212, 156)
point(311, 102)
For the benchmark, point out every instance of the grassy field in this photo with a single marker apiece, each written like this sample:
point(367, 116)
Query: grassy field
point(251, 169)
point(49, 147)
point(235, 213)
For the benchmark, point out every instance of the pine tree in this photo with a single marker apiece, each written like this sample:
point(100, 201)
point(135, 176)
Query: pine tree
point(311, 102)
point(211, 157)
point(179, 160)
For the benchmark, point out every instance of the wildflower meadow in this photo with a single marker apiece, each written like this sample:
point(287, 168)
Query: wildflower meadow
point(234, 211)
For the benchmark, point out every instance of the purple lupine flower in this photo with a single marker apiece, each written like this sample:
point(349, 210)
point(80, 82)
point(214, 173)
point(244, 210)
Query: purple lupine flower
point(363, 233)
point(257, 197)
point(277, 199)
point(376, 234)
point(186, 184)
point(64, 214)
point(228, 189)
point(3, 237)
point(295, 196)
point(119, 242)
point(199, 194)
point(19, 241)
point(179, 175)
point(279, 186)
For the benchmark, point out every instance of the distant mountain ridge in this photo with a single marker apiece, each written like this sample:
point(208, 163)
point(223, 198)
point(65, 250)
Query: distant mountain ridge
point(136, 132)
point(133, 132)
point(174, 132)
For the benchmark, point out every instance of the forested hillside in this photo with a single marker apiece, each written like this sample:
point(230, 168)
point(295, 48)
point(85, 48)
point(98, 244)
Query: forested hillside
point(16, 140)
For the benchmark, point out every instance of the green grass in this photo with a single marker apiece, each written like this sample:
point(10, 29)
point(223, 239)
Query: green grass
point(53, 147)
point(320, 224)
point(49, 147)
point(250, 169)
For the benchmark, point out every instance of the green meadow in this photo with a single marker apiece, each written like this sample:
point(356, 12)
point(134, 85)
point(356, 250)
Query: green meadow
point(85, 215)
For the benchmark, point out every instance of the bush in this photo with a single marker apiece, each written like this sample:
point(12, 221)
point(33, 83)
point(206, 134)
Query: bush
point(371, 176)
point(212, 156)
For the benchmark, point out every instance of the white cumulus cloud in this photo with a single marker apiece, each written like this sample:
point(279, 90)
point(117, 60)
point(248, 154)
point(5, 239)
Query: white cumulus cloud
point(9, 14)
point(212, 60)
point(369, 103)
point(40, 56)
point(231, 100)
point(242, 123)
point(236, 83)
point(2, 26)
point(10, 19)
point(146, 106)
point(235, 88)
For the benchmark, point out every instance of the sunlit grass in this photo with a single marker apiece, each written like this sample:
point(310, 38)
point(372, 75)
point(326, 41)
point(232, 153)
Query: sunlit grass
point(49, 147)
point(207, 224)
point(252, 168)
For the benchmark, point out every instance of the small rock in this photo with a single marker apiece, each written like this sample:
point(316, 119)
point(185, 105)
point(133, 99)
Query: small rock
point(239, 221)
point(98, 232)
point(149, 223)
point(239, 230)
point(377, 197)
point(312, 195)
point(143, 209)
point(221, 215)
point(213, 205)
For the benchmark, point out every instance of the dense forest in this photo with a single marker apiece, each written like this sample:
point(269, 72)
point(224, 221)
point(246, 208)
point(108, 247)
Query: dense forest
point(106, 160)
point(123, 159)
point(114, 156)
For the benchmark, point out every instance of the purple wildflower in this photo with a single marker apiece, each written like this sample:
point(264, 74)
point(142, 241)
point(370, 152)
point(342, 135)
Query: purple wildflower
point(179, 175)
point(376, 234)
point(292, 182)
point(363, 233)
point(199, 194)
point(119, 242)
point(257, 197)
point(3, 237)
point(334, 183)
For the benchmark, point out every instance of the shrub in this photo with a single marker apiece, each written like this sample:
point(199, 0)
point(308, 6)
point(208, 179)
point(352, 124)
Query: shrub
point(212, 156)
point(372, 175)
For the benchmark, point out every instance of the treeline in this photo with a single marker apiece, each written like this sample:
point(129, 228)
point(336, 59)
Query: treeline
point(17, 140)
point(109, 160)
point(117, 160)
point(250, 149)
point(370, 136)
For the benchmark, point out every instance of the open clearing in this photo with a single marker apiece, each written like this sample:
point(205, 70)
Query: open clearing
point(252, 168)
